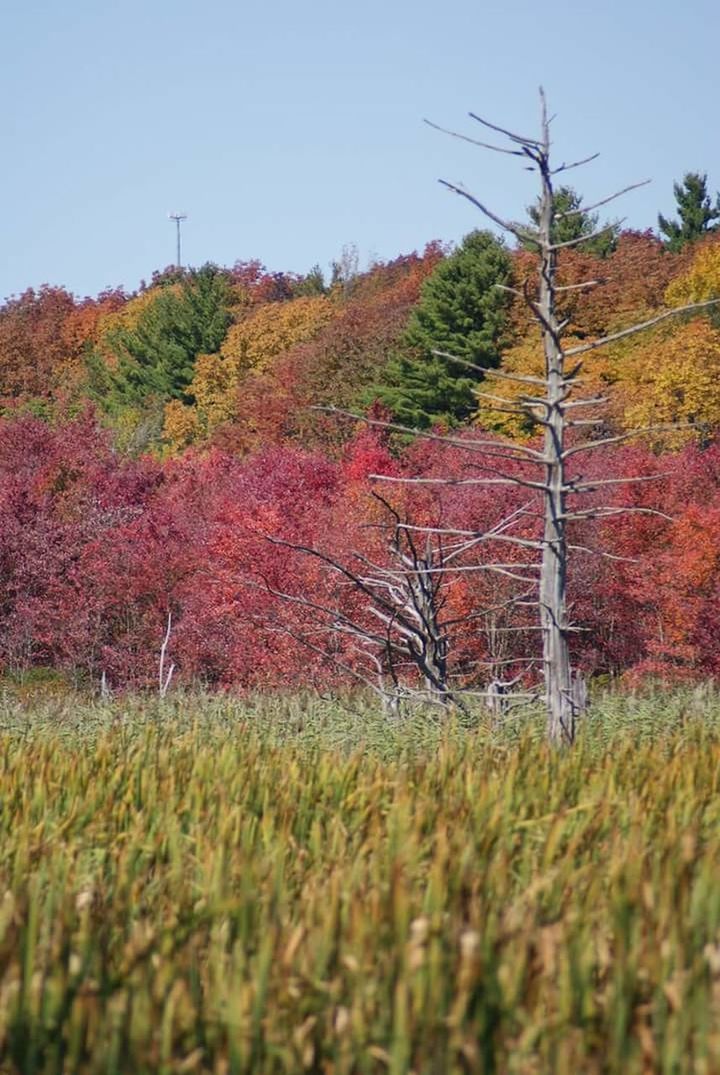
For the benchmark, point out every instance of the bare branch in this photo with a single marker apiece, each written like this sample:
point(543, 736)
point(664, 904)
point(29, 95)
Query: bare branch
point(508, 134)
point(587, 238)
point(584, 348)
point(474, 141)
point(590, 486)
point(525, 543)
point(164, 679)
point(308, 550)
point(500, 449)
point(515, 404)
point(516, 377)
point(521, 409)
point(604, 555)
point(575, 164)
point(506, 225)
point(334, 613)
point(510, 603)
point(579, 287)
point(471, 569)
point(595, 401)
point(494, 569)
point(489, 372)
point(499, 662)
point(504, 480)
point(605, 201)
point(590, 445)
point(604, 512)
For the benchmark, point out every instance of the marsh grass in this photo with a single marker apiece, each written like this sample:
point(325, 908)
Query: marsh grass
point(289, 884)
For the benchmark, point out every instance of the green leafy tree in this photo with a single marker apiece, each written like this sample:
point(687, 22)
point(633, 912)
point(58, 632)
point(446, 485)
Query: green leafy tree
point(697, 214)
point(310, 285)
point(461, 312)
point(156, 358)
point(571, 223)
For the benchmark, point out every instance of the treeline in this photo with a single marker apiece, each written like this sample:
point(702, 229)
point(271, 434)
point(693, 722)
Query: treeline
point(234, 358)
point(96, 549)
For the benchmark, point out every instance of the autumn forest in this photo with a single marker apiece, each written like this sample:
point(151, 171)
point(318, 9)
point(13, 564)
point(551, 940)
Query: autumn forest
point(169, 458)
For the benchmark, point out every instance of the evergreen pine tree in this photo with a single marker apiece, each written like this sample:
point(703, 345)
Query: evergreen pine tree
point(156, 359)
point(697, 214)
point(462, 312)
point(573, 223)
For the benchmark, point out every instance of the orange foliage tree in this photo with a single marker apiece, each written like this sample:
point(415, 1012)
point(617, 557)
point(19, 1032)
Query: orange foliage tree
point(634, 280)
point(33, 353)
point(81, 333)
point(338, 366)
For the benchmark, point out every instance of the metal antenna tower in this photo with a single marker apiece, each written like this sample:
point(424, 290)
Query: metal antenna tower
point(178, 218)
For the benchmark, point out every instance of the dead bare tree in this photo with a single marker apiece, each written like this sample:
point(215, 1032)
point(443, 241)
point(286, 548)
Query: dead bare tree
point(549, 401)
point(399, 640)
point(552, 403)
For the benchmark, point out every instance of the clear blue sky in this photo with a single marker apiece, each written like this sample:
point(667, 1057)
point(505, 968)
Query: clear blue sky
point(287, 129)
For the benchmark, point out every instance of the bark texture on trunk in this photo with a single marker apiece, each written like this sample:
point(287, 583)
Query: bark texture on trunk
point(559, 694)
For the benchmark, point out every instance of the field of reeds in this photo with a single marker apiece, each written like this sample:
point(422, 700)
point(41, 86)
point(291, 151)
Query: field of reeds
point(294, 886)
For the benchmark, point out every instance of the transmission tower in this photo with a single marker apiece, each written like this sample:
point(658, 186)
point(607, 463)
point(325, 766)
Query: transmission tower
point(178, 218)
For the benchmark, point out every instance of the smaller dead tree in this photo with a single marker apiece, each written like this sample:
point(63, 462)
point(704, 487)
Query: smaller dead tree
point(392, 625)
point(165, 675)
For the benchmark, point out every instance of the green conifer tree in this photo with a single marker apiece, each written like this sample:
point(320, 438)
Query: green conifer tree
point(572, 222)
point(156, 359)
point(697, 214)
point(461, 312)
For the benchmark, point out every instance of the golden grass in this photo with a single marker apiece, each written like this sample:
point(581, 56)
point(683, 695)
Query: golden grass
point(190, 893)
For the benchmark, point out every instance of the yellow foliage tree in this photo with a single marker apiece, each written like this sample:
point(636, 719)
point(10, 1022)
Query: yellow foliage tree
point(276, 327)
point(214, 387)
point(701, 281)
point(181, 426)
point(675, 378)
point(670, 375)
point(524, 359)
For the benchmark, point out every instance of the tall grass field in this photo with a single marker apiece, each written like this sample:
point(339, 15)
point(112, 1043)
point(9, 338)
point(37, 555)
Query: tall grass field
point(299, 886)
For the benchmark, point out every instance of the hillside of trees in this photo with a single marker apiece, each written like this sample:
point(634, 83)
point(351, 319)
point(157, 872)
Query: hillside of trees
point(166, 461)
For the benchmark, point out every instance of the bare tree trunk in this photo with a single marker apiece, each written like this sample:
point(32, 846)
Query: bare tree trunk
point(424, 598)
point(553, 574)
